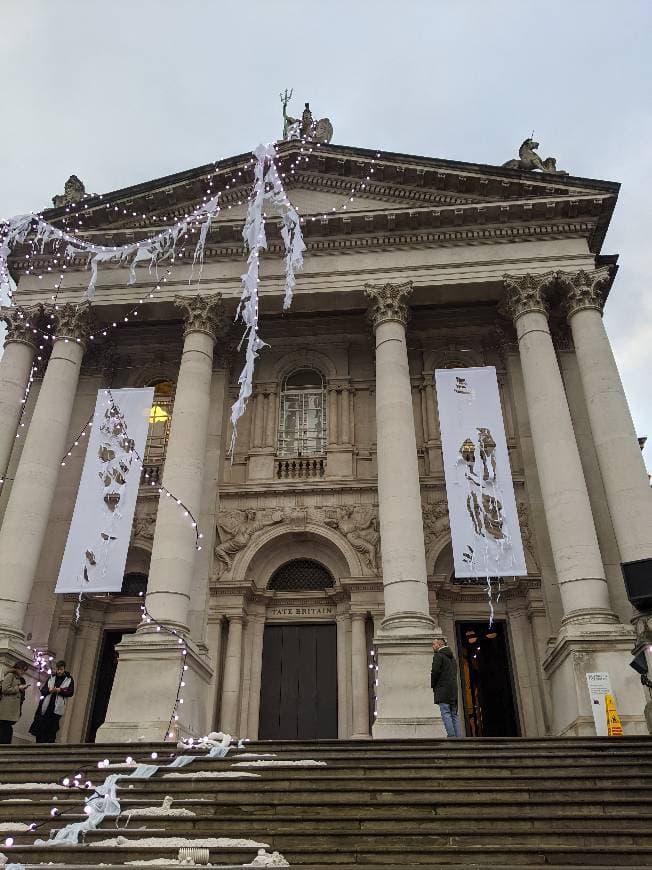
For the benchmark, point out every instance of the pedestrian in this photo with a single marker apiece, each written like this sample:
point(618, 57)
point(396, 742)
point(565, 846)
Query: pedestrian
point(54, 693)
point(11, 693)
point(443, 679)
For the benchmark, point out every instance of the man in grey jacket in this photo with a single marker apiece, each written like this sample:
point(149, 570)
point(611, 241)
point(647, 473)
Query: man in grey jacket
point(443, 679)
point(11, 686)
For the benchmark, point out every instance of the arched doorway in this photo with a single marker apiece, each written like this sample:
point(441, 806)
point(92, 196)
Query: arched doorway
point(298, 697)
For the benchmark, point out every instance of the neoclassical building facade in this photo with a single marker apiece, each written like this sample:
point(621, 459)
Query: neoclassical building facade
point(326, 566)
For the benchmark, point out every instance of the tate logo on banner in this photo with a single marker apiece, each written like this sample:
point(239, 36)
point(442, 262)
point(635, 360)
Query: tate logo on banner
point(98, 539)
point(484, 524)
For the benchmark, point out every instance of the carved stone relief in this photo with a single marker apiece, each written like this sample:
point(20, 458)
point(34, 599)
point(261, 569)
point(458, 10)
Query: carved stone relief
point(357, 523)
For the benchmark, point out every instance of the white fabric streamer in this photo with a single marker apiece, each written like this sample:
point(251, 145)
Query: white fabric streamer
point(267, 188)
point(155, 249)
point(105, 802)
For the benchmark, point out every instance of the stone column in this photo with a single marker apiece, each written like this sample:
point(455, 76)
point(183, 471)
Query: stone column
point(332, 416)
point(28, 509)
point(629, 495)
point(259, 418)
point(173, 548)
point(405, 706)
point(149, 659)
point(345, 417)
point(359, 676)
point(343, 621)
point(270, 418)
point(589, 632)
point(15, 367)
point(576, 553)
point(230, 710)
point(256, 670)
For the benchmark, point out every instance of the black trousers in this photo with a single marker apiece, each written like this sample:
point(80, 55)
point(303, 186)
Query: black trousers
point(6, 731)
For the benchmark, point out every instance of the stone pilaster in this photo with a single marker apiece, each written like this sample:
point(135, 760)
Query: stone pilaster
point(134, 711)
point(629, 496)
point(405, 705)
point(590, 633)
point(28, 509)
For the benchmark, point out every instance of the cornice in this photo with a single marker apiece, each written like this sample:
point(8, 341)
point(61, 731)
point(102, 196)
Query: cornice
point(402, 171)
point(382, 241)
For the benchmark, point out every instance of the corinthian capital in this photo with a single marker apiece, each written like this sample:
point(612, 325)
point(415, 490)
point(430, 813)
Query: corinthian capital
point(73, 322)
point(203, 314)
point(526, 293)
point(583, 290)
point(388, 302)
point(23, 323)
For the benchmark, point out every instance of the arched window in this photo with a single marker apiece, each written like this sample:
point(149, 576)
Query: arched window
point(300, 574)
point(302, 421)
point(160, 417)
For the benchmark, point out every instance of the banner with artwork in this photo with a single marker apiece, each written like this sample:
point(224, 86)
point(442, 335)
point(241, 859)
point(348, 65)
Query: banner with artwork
point(98, 539)
point(482, 510)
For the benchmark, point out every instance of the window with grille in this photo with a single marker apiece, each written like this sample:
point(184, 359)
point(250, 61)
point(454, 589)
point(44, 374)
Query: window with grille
point(160, 418)
point(302, 421)
point(300, 574)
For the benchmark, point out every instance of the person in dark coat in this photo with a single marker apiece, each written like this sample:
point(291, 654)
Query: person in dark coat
point(11, 695)
point(54, 693)
point(443, 679)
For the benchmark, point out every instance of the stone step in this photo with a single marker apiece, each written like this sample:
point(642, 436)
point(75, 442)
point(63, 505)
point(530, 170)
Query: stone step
point(421, 852)
point(604, 812)
point(629, 763)
point(628, 831)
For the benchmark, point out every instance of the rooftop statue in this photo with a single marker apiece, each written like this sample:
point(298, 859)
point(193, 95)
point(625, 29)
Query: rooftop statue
point(528, 159)
point(73, 191)
point(305, 126)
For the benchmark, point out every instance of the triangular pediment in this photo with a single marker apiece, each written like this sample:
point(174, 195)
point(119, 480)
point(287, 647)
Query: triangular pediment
point(389, 191)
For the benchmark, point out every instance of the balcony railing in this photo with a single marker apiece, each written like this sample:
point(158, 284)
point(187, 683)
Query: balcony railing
point(301, 468)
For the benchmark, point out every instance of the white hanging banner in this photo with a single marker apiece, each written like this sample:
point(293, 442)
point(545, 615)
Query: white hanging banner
point(481, 504)
point(98, 539)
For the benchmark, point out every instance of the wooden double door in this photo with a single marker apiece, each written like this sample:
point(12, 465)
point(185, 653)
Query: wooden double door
point(298, 695)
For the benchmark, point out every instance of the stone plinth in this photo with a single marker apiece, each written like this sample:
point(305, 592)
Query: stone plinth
point(141, 708)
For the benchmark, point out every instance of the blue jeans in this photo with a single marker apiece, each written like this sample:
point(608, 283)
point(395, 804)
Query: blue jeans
point(451, 720)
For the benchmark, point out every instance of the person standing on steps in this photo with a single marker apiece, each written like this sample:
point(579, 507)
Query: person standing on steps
point(54, 693)
point(11, 695)
point(443, 679)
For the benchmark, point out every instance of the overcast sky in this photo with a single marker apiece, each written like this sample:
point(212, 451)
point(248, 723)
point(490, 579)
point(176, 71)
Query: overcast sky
point(122, 92)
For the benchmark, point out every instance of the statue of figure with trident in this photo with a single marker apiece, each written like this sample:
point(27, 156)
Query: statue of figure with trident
point(306, 126)
point(291, 126)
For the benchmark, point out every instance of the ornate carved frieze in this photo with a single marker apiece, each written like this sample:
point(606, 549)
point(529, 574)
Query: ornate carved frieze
point(582, 290)
point(357, 523)
point(203, 314)
point(23, 323)
point(74, 322)
point(525, 294)
point(435, 520)
point(143, 528)
point(388, 302)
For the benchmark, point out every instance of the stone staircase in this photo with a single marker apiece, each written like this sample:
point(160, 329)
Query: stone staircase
point(492, 803)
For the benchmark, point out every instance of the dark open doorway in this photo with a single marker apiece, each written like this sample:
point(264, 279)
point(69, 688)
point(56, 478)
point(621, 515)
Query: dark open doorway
point(104, 676)
point(487, 684)
point(298, 697)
